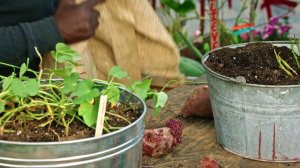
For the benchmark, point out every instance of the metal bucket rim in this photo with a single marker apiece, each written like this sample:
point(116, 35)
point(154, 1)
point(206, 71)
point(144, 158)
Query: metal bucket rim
point(85, 139)
point(77, 157)
point(77, 163)
point(228, 79)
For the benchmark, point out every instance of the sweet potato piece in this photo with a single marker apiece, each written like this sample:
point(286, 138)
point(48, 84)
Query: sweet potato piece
point(176, 130)
point(160, 141)
point(208, 162)
point(198, 104)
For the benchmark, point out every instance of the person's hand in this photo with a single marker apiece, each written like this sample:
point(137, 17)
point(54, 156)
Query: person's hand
point(76, 22)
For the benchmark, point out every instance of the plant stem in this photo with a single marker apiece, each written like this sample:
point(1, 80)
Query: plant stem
point(253, 5)
point(50, 85)
point(289, 67)
point(4, 118)
point(191, 46)
point(50, 96)
point(49, 109)
point(298, 47)
point(283, 65)
point(116, 115)
point(65, 125)
point(38, 102)
point(166, 85)
point(244, 7)
point(2, 94)
point(105, 129)
point(36, 116)
point(46, 123)
point(294, 54)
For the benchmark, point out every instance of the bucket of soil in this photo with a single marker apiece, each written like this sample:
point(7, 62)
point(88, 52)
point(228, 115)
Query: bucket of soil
point(254, 90)
point(36, 142)
point(51, 123)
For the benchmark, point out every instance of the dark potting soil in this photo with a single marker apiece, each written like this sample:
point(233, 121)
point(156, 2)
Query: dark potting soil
point(256, 62)
point(31, 131)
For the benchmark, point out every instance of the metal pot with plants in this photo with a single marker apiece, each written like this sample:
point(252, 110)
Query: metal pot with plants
point(254, 91)
point(72, 122)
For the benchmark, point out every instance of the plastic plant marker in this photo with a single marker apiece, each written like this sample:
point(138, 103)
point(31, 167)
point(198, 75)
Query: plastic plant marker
point(101, 116)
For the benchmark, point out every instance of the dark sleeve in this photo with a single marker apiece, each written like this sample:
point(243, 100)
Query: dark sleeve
point(17, 42)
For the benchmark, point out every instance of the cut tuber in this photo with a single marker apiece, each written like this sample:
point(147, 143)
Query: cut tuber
point(160, 141)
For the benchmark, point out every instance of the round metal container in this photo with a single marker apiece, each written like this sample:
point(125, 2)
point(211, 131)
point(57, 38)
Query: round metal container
point(258, 122)
point(119, 149)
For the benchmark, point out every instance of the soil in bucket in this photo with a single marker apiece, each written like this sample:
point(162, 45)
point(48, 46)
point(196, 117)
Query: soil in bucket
point(31, 131)
point(256, 62)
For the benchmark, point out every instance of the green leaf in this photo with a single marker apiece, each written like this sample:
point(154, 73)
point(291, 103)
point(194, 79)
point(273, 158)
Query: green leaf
point(2, 105)
point(89, 113)
point(65, 53)
point(85, 92)
point(180, 8)
point(32, 87)
point(141, 88)
point(190, 67)
point(113, 94)
point(159, 100)
point(23, 89)
point(206, 47)
point(117, 72)
point(17, 88)
point(23, 69)
point(235, 39)
point(61, 72)
point(6, 83)
point(70, 82)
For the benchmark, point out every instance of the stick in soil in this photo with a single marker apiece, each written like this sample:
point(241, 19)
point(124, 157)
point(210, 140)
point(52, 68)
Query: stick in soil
point(101, 116)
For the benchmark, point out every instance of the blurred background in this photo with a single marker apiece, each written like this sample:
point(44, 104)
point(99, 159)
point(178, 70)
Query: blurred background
point(237, 21)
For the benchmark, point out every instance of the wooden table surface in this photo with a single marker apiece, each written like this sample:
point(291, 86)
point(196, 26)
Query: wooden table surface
point(199, 139)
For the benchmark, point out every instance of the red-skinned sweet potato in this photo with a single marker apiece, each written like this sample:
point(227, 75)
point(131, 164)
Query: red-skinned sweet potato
point(208, 162)
point(198, 104)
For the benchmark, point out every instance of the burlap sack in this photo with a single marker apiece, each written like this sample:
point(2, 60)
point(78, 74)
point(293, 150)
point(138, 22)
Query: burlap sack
point(131, 36)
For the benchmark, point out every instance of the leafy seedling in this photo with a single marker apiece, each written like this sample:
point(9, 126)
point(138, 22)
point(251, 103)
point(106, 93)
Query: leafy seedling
point(63, 101)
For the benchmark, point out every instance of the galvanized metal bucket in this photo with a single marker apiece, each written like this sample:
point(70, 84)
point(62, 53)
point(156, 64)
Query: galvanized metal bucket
point(120, 149)
point(259, 122)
